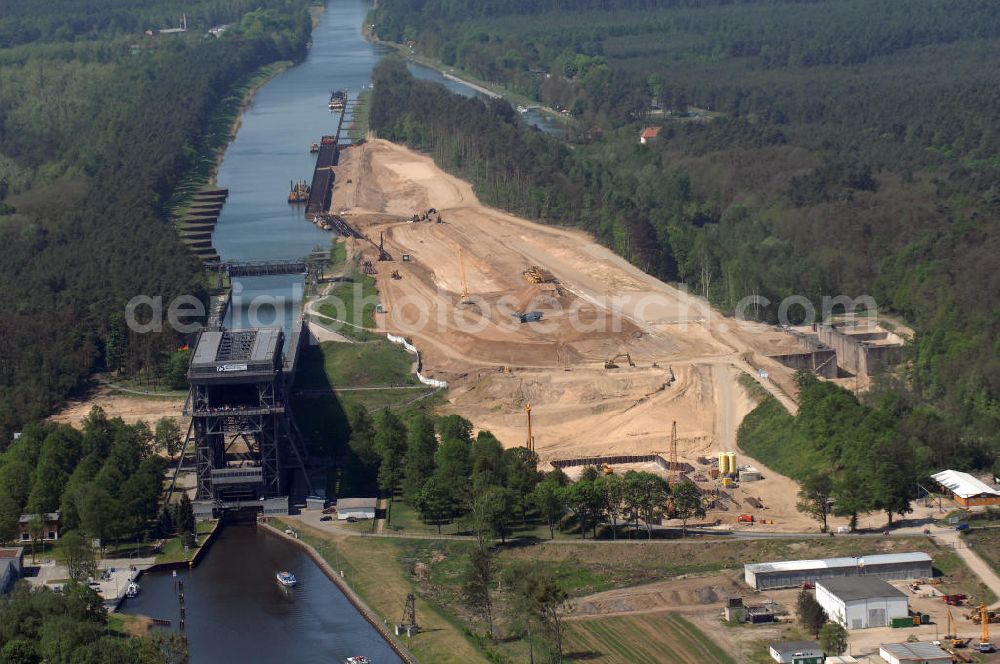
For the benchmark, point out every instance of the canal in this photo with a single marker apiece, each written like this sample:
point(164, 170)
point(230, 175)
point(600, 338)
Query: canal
point(237, 612)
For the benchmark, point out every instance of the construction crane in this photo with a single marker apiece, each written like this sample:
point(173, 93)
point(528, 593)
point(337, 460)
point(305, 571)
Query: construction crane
point(465, 284)
point(530, 444)
point(610, 364)
point(674, 466)
point(956, 642)
point(984, 643)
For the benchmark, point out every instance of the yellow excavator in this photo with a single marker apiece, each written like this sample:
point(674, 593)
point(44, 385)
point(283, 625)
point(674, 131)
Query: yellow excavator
point(610, 364)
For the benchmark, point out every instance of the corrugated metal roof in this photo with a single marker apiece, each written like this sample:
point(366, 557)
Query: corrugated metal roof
point(907, 651)
point(830, 563)
point(852, 588)
point(963, 485)
point(786, 647)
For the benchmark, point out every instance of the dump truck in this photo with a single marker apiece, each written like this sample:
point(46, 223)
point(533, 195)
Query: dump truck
point(528, 316)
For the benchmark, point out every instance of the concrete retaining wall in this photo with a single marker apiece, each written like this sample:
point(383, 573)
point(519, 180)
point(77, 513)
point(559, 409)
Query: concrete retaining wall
point(860, 352)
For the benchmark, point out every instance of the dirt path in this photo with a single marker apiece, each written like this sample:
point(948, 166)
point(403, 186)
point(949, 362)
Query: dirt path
point(979, 567)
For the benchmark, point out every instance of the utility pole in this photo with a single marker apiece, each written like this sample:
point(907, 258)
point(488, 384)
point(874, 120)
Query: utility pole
point(674, 468)
point(530, 444)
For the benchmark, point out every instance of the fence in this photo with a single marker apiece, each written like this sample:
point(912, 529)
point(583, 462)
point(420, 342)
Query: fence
point(433, 382)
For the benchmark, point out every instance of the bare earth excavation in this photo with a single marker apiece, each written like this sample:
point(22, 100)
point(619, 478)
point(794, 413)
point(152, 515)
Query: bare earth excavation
point(615, 357)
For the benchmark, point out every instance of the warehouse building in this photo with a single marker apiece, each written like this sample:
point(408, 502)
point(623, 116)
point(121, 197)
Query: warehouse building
point(913, 653)
point(861, 602)
point(357, 508)
point(967, 490)
point(792, 573)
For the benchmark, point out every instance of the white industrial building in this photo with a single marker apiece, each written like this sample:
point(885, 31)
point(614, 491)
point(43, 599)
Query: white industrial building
point(913, 653)
point(861, 602)
point(792, 573)
point(358, 508)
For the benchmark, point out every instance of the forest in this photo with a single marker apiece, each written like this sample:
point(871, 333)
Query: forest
point(828, 148)
point(98, 124)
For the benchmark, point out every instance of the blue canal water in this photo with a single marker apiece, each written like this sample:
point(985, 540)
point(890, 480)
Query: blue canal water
point(237, 612)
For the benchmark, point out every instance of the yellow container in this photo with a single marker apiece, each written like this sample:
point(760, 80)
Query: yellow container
point(723, 463)
point(731, 464)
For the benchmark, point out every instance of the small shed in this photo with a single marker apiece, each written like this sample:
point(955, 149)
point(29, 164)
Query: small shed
point(358, 508)
point(841, 659)
point(649, 134)
point(861, 602)
point(796, 652)
point(913, 653)
point(735, 612)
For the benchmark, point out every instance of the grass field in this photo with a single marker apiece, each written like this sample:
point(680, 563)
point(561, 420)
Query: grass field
point(642, 639)
point(373, 364)
point(352, 302)
point(173, 548)
point(987, 544)
point(374, 568)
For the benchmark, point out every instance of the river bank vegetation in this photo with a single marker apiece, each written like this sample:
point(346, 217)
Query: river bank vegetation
point(852, 161)
point(99, 123)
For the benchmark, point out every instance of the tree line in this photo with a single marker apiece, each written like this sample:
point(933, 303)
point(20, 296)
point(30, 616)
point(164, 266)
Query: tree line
point(850, 458)
point(95, 133)
point(71, 627)
point(105, 479)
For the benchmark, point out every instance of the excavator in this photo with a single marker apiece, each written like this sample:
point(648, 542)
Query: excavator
point(610, 364)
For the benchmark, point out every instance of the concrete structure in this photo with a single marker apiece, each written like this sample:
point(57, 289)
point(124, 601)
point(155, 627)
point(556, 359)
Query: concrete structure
point(815, 356)
point(11, 564)
point(861, 602)
point(841, 659)
point(792, 573)
point(862, 349)
point(734, 610)
point(749, 474)
point(966, 490)
point(913, 653)
point(50, 529)
point(796, 652)
point(359, 508)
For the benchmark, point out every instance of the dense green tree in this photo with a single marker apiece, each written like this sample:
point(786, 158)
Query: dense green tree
point(418, 464)
point(390, 443)
point(810, 613)
point(436, 501)
point(522, 476)
point(547, 498)
point(487, 457)
point(585, 501)
point(612, 489)
point(833, 639)
point(168, 436)
point(687, 503)
point(815, 497)
point(78, 556)
point(455, 427)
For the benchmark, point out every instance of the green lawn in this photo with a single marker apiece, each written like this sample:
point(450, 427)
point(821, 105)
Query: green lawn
point(338, 255)
point(173, 549)
point(358, 127)
point(373, 364)
point(352, 302)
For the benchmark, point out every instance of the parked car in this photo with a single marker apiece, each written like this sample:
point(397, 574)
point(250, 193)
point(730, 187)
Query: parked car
point(326, 518)
point(962, 526)
point(330, 510)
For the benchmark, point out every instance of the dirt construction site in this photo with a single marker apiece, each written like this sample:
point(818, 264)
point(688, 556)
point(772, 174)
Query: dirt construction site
point(512, 313)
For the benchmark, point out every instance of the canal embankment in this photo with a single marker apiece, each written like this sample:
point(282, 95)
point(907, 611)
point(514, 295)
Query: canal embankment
point(381, 625)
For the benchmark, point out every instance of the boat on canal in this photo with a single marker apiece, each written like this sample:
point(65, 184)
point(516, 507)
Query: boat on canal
point(132, 591)
point(357, 659)
point(286, 579)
